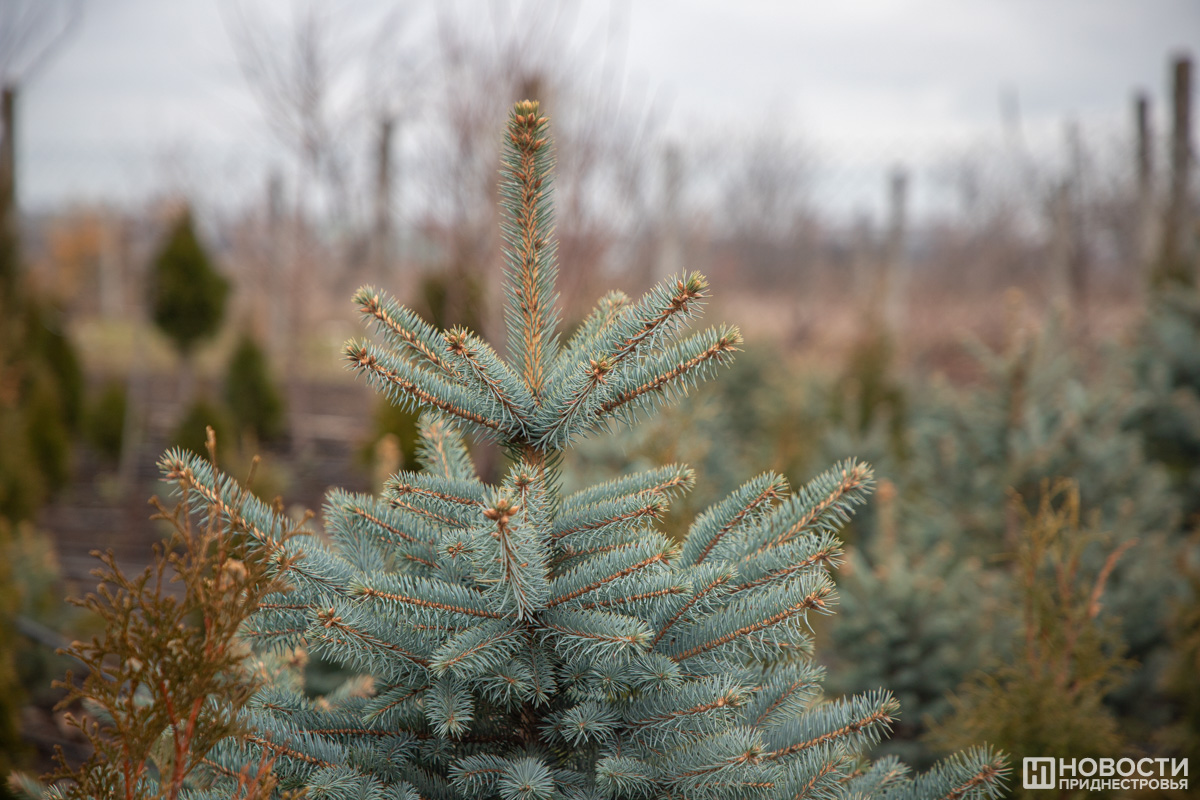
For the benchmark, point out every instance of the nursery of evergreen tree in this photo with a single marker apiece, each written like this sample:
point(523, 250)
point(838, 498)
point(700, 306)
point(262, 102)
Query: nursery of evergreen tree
point(427, 481)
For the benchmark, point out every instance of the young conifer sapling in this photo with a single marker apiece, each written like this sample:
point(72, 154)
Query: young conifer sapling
point(512, 642)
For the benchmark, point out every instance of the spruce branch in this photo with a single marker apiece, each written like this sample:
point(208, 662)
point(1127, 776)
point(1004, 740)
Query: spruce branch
point(863, 719)
point(821, 551)
point(708, 586)
point(607, 569)
point(422, 601)
point(408, 387)
point(449, 501)
point(881, 777)
point(823, 505)
point(376, 531)
point(642, 596)
point(669, 481)
point(742, 508)
point(347, 631)
point(741, 623)
point(598, 635)
point(590, 334)
point(785, 694)
point(661, 312)
point(508, 397)
point(515, 556)
point(568, 409)
point(407, 332)
point(480, 649)
point(665, 376)
point(441, 450)
point(978, 772)
point(609, 517)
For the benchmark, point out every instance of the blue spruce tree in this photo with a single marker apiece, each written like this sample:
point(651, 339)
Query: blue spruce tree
point(511, 642)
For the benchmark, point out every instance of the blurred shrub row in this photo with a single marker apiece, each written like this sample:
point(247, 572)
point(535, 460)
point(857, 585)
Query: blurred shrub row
point(45, 410)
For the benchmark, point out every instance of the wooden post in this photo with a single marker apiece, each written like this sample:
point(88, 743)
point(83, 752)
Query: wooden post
point(9, 229)
point(271, 292)
point(1060, 241)
point(887, 288)
point(381, 233)
point(670, 251)
point(108, 265)
point(8, 149)
point(897, 213)
point(1077, 251)
point(1176, 250)
point(1144, 177)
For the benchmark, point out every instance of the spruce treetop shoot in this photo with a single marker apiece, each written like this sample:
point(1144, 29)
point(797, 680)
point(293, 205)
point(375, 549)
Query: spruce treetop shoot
point(511, 642)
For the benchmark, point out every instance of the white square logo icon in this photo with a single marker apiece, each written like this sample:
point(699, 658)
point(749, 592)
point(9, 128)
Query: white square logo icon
point(1038, 773)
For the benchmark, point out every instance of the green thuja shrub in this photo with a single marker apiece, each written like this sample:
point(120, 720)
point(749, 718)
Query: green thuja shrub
point(40, 399)
point(12, 746)
point(513, 642)
point(453, 297)
point(255, 404)
point(168, 676)
point(868, 393)
point(47, 341)
point(104, 423)
point(23, 487)
point(190, 435)
point(36, 580)
point(187, 295)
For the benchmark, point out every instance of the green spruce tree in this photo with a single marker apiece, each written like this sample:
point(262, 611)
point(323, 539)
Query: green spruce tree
point(516, 643)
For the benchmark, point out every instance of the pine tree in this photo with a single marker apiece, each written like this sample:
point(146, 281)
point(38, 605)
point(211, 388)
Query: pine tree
point(515, 643)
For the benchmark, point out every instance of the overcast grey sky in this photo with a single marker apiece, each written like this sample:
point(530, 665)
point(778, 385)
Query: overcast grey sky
point(142, 80)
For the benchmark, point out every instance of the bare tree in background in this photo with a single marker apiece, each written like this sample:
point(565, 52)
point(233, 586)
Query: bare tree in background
point(31, 31)
point(765, 202)
point(298, 72)
point(306, 72)
point(989, 240)
point(392, 95)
